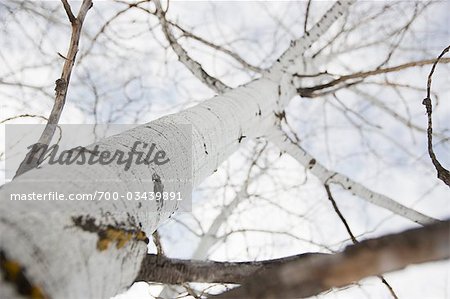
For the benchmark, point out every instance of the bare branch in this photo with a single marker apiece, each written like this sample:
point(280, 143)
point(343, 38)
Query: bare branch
point(327, 176)
point(311, 276)
point(305, 24)
point(158, 244)
point(69, 12)
point(338, 212)
point(308, 91)
point(352, 236)
point(230, 53)
point(194, 67)
point(23, 116)
point(157, 268)
point(384, 107)
point(442, 173)
point(41, 89)
point(33, 158)
point(292, 56)
point(102, 30)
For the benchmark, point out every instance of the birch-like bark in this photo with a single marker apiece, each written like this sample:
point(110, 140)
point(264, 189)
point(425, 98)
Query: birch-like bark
point(209, 239)
point(71, 253)
point(327, 176)
point(67, 252)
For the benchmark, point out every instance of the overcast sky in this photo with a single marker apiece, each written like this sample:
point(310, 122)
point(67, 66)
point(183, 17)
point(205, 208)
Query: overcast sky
point(129, 77)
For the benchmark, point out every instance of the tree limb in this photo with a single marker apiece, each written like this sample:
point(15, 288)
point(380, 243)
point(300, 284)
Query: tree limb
point(69, 12)
point(34, 156)
point(308, 91)
point(305, 24)
point(352, 236)
point(442, 173)
point(290, 60)
point(22, 116)
point(313, 275)
point(327, 176)
point(193, 66)
point(217, 47)
point(158, 268)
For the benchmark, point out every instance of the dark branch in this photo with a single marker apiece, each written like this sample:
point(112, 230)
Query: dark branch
point(309, 91)
point(442, 173)
point(157, 268)
point(305, 24)
point(34, 156)
point(69, 12)
point(352, 236)
point(158, 244)
point(338, 212)
point(313, 275)
point(194, 66)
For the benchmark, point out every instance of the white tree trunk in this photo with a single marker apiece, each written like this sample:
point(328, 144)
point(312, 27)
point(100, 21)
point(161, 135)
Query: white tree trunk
point(65, 255)
point(62, 257)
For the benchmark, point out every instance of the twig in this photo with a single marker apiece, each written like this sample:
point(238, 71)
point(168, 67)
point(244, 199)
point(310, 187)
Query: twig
point(69, 12)
point(194, 67)
point(34, 156)
point(338, 212)
point(308, 91)
point(293, 148)
point(352, 236)
point(442, 173)
point(299, 46)
point(158, 244)
point(157, 268)
point(23, 116)
point(308, 5)
point(222, 49)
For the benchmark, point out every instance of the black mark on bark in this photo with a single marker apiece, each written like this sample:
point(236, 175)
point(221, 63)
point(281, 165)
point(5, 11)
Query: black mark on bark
point(15, 274)
point(311, 163)
point(120, 234)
